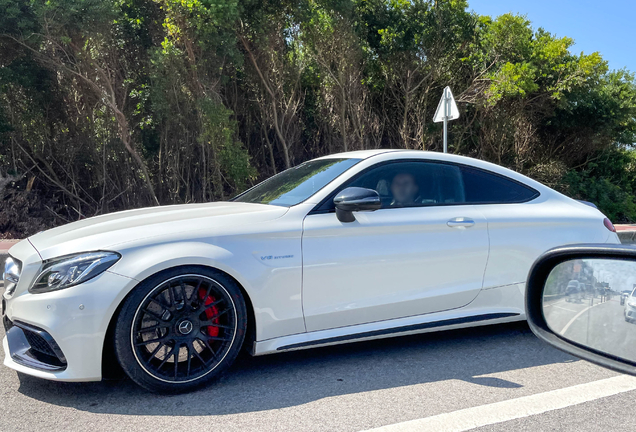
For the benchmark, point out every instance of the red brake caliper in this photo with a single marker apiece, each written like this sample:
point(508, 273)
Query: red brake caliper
point(210, 312)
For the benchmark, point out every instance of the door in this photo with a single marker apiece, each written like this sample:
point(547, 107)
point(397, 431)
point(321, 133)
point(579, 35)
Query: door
point(425, 251)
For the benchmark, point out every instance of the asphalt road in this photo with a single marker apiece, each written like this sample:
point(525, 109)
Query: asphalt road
point(600, 325)
point(346, 388)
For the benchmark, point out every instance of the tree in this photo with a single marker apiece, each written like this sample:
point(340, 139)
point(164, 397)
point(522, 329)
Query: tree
point(113, 104)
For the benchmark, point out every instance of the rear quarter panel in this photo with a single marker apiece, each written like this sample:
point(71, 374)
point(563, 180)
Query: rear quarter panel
point(520, 233)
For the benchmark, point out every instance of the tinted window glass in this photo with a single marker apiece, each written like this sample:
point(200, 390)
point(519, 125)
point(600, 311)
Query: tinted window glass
point(414, 184)
point(296, 184)
point(482, 187)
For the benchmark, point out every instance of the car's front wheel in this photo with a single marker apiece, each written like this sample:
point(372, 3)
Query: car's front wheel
point(180, 329)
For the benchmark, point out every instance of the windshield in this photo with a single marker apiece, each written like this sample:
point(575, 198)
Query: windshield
point(296, 184)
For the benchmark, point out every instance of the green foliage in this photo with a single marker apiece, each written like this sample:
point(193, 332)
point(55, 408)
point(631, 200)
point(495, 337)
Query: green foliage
point(609, 182)
point(219, 132)
point(534, 63)
point(113, 104)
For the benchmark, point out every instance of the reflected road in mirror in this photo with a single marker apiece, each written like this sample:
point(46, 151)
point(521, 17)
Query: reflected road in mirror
point(593, 302)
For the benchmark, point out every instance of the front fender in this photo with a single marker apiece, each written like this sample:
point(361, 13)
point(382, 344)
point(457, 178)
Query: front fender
point(142, 262)
point(273, 286)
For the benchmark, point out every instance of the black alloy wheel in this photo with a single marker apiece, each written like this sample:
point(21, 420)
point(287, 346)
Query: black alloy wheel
point(180, 329)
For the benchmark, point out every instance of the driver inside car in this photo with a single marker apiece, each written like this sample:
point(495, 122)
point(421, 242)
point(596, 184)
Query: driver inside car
point(404, 189)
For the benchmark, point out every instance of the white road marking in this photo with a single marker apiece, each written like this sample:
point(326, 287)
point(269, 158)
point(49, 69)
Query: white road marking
point(567, 326)
point(570, 310)
point(511, 409)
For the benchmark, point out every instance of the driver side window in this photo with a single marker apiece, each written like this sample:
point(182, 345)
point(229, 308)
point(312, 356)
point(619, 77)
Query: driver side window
point(414, 184)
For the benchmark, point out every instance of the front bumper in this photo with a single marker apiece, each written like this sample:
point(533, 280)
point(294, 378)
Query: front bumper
point(76, 319)
point(33, 347)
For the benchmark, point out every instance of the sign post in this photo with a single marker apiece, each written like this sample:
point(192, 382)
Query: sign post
point(446, 110)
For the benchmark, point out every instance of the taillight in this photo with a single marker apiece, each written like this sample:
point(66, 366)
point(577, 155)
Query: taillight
point(608, 224)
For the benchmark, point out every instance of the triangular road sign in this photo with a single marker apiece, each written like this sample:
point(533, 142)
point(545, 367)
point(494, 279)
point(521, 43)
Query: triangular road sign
point(447, 107)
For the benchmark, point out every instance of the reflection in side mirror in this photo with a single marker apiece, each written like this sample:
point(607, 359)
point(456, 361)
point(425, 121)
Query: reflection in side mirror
point(582, 303)
point(582, 300)
point(355, 199)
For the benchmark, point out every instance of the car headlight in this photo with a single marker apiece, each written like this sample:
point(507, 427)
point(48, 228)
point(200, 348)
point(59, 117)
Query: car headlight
point(631, 303)
point(11, 275)
point(71, 270)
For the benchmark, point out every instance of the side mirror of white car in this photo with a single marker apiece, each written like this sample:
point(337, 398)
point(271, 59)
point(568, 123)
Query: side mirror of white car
point(355, 199)
point(591, 322)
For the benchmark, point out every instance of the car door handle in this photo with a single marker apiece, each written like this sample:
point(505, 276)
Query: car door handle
point(460, 222)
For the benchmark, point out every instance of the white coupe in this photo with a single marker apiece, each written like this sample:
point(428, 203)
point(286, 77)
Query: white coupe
point(342, 248)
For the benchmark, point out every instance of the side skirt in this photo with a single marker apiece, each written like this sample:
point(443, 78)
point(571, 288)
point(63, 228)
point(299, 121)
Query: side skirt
point(404, 329)
point(326, 338)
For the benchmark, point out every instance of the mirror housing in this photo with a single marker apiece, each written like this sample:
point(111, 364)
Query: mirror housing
point(536, 308)
point(355, 199)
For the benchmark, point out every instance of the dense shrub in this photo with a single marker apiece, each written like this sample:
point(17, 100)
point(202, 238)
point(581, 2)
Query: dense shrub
point(609, 181)
point(107, 105)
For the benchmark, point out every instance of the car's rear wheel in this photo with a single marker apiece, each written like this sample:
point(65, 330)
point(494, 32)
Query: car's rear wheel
point(180, 329)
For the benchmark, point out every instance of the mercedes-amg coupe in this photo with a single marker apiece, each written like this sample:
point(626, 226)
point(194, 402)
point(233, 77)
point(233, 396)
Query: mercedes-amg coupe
point(342, 248)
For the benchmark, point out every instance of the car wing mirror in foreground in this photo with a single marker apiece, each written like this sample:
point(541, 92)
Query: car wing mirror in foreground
point(355, 199)
point(575, 302)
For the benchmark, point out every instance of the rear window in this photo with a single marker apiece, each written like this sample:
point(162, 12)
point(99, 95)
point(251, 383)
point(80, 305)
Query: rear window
point(481, 187)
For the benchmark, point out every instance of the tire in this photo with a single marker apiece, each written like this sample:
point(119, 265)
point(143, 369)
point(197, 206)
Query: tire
point(180, 329)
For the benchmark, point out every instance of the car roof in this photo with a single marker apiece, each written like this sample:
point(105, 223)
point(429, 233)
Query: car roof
point(360, 154)
point(424, 154)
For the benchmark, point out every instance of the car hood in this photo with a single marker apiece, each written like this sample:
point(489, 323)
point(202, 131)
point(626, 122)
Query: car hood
point(107, 231)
